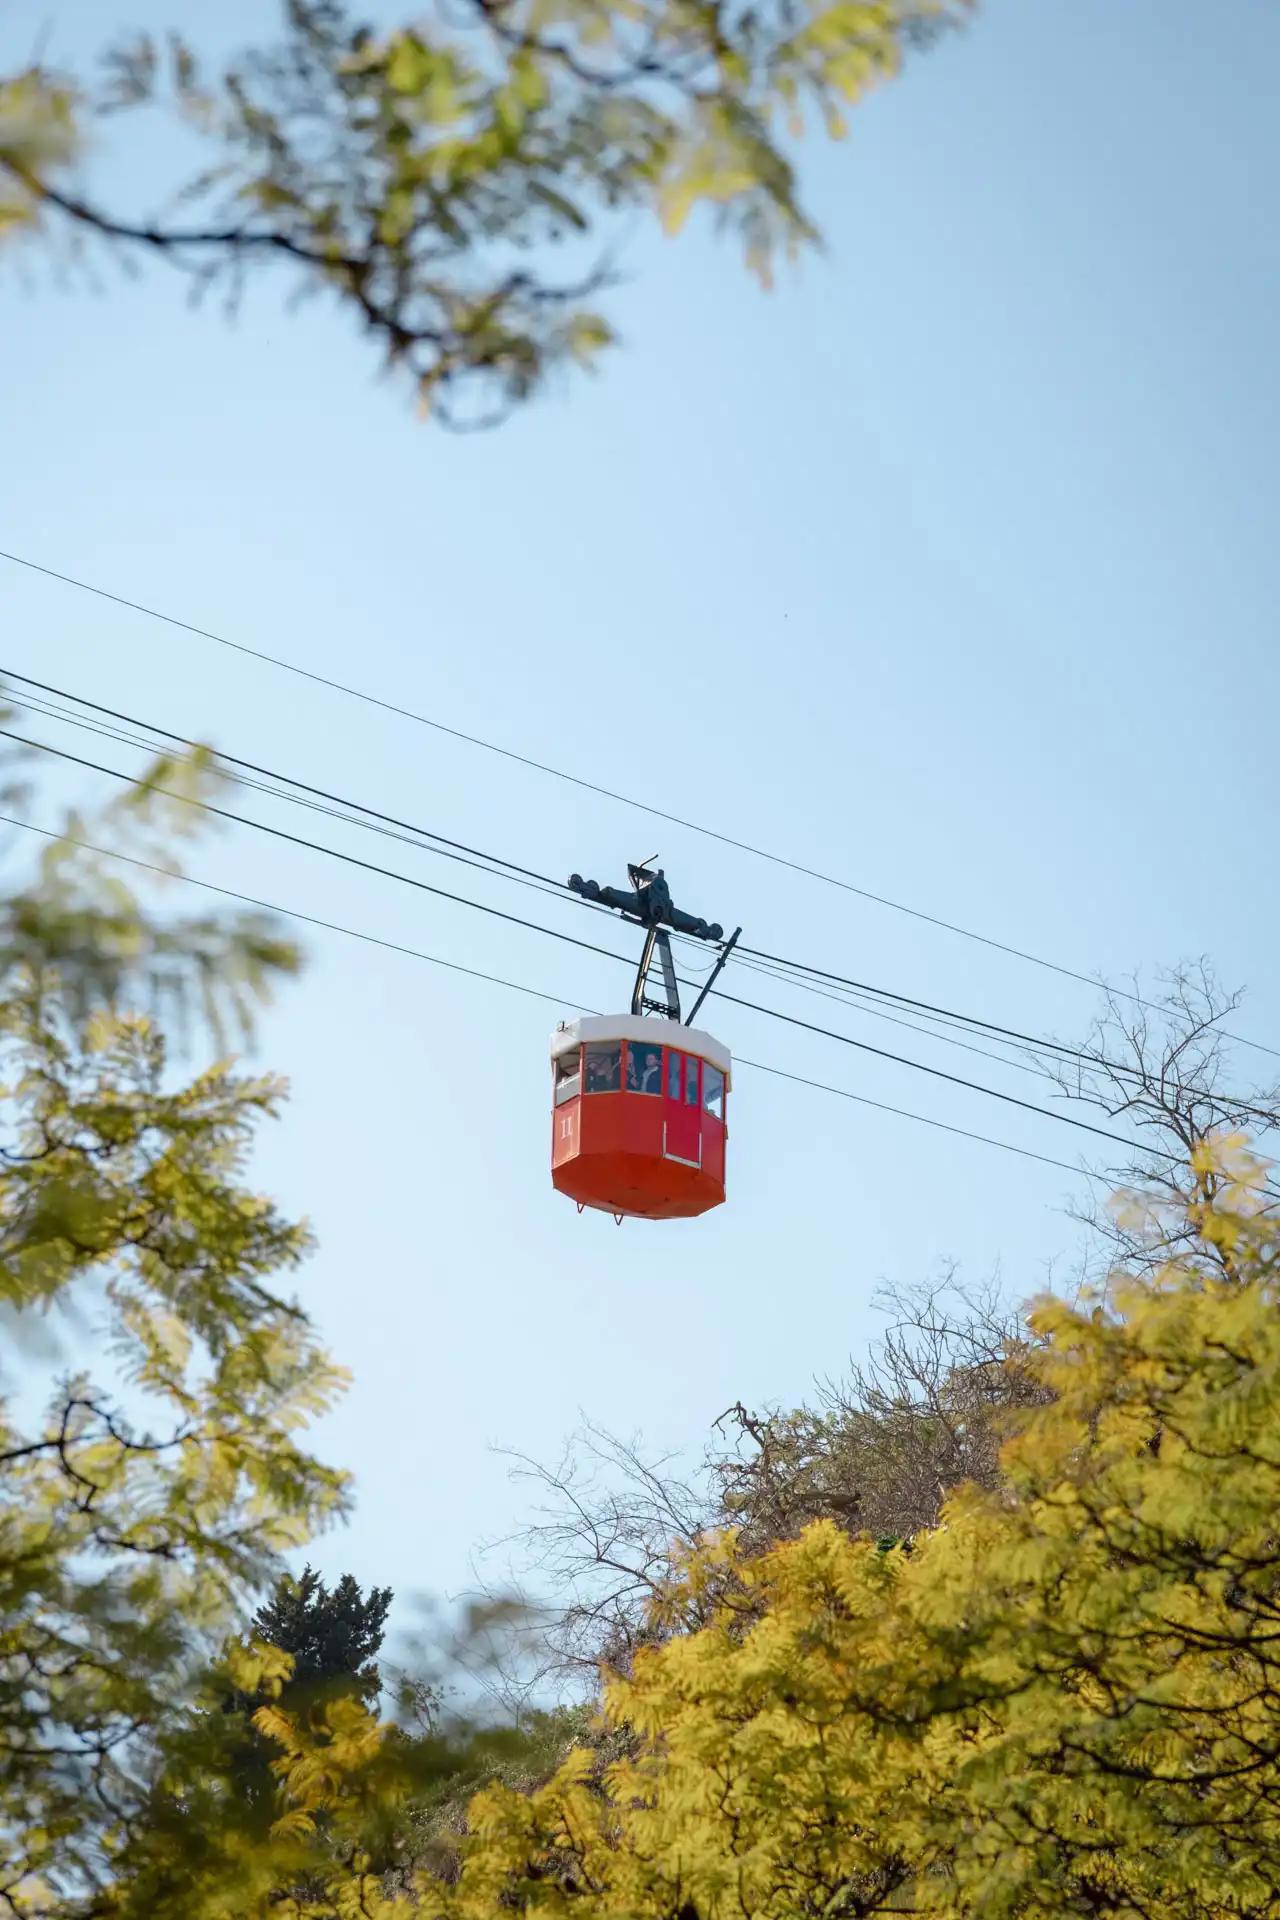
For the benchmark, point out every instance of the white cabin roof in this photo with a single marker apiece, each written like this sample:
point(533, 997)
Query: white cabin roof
point(635, 1026)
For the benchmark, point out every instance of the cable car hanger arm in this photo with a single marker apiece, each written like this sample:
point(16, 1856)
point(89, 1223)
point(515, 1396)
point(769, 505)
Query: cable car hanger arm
point(715, 973)
point(648, 903)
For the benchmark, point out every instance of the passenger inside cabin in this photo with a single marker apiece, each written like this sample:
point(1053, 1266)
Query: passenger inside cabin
point(644, 1067)
point(604, 1068)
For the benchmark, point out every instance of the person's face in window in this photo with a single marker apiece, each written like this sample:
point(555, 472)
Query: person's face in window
point(604, 1069)
point(644, 1067)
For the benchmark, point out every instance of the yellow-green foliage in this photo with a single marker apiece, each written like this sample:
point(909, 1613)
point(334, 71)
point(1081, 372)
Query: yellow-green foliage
point(143, 1512)
point(1064, 1700)
point(38, 136)
point(167, 1473)
point(423, 174)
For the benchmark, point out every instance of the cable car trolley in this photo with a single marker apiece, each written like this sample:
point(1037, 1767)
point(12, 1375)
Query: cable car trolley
point(639, 1100)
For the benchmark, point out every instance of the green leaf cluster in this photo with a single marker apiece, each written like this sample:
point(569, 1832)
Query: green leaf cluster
point(427, 176)
point(166, 1753)
point(168, 1472)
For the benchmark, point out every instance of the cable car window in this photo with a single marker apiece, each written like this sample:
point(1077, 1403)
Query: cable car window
point(713, 1090)
point(690, 1081)
point(644, 1067)
point(568, 1077)
point(604, 1068)
point(673, 1074)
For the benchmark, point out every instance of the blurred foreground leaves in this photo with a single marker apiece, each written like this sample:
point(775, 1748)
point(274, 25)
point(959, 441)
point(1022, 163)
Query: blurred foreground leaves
point(167, 1474)
point(425, 175)
point(158, 1755)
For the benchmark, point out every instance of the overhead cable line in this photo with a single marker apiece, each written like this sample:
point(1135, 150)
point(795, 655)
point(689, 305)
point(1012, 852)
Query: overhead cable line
point(590, 786)
point(264, 787)
point(938, 1025)
point(390, 873)
point(507, 871)
point(410, 829)
point(535, 993)
point(878, 1013)
point(939, 1073)
point(1095, 1062)
point(267, 773)
point(798, 972)
point(316, 846)
point(412, 834)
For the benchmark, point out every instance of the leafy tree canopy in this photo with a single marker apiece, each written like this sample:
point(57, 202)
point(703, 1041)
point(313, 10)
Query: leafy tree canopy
point(430, 176)
point(1064, 1699)
point(166, 1475)
point(148, 1506)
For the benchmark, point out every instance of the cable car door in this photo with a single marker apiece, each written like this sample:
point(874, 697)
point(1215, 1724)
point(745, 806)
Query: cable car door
point(682, 1109)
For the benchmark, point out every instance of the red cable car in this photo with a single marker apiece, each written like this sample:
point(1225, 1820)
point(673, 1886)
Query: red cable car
point(638, 1119)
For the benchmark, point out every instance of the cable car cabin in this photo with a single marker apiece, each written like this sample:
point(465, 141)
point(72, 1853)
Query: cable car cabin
point(638, 1120)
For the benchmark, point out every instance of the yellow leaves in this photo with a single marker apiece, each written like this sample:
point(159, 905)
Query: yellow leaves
point(321, 1757)
point(362, 1897)
point(766, 1777)
point(842, 51)
point(293, 1825)
point(270, 195)
point(725, 156)
point(1225, 1154)
point(93, 944)
point(704, 172)
point(38, 137)
point(528, 82)
point(409, 64)
point(105, 1030)
point(1067, 1692)
point(169, 1344)
point(178, 776)
point(395, 218)
point(31, 1896)
point(430, 84)
point(256, 1667)
point(138, 1512)
point(16, 210)
point(274, 1724)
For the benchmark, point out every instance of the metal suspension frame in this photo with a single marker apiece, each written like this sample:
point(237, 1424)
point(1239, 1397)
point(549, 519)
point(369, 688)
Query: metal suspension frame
point(657, 946)
point(649, 904)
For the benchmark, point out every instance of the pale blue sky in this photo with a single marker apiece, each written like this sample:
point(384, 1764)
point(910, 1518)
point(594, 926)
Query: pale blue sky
point(959, 543)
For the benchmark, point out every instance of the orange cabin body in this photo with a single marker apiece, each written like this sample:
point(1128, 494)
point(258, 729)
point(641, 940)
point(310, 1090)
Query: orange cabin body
point(638, 1121)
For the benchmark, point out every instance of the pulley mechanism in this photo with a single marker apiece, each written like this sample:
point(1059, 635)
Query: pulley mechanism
point(648, 902)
